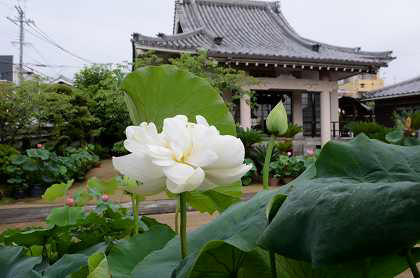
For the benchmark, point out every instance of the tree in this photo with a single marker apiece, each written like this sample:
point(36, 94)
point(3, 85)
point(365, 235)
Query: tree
point(102, 85)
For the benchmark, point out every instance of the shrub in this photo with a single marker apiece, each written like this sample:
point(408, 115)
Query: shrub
point(43, 168)
point(6, 152)
point(287, 166)
point(118, 149)
point(257, 154)
point(292, 131)
point(284, 146)
point(249, 177)
point(371, 129)
point(416, 120)
point(249, 137)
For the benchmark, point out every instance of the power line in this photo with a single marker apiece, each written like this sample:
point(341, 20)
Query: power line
point(47, 38)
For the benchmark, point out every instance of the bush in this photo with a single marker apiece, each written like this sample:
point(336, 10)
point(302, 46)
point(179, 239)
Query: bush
point(286, 167)
point(249, 177)
point(118, 149)
point(6, 152)
point(292, 131)
point(257, 154)
point(371, 129)
point(43, 168)
point(249, 137)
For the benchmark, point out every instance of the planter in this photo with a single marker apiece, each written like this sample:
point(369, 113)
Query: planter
point(37, 191)
point(274, 181)
point(20, 194)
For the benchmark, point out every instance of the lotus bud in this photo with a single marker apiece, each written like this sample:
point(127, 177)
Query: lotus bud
point(277, 120)
point(70, 202)
point(105, 198)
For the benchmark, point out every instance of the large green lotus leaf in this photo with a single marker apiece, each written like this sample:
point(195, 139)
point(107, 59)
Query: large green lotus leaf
point(376, 267)
point(222, 260)
point(361, 203)
point(156, 93)
point(126, 254)
point(72, 263)
point(217, 199)
point(28, 238)
point(65, 216)
point(239, 227)
point(14, 264)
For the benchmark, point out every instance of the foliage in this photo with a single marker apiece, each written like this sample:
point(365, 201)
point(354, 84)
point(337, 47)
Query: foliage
point(371, 129)
point(64, 249)
point(118, 149)
point(292, 131)
point(102, 84)
point(415, 121)
point(404, 133)
point(44, 168)
point(286, 166)
point(248, 178)
point(366, 186)
point(44, 110)
point(230, 243)
point(249, 137)
point(284, 146)
point(6, 152)
point(257, 154)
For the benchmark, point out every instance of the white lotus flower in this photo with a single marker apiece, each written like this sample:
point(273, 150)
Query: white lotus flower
point(184, 157)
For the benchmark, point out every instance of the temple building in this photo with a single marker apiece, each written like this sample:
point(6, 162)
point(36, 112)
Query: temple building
point(255, 36)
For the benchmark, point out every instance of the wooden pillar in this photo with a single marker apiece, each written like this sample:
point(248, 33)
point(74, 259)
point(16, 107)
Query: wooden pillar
point(335, 114)
point(297, 111)
point(325, 117)
point(245, 112)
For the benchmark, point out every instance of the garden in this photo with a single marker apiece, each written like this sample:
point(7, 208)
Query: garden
point(348, 210)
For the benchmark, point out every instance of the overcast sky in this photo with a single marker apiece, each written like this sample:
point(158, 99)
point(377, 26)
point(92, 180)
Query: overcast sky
point(100, 30)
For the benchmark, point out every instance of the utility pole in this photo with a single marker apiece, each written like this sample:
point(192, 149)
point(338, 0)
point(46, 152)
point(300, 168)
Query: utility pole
point(20, 20)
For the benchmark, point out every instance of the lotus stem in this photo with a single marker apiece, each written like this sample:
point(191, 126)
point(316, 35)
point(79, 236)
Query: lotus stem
point(412, 264)
point(135, 201)
point(183, 228)
point(177, 217)
point(266, 168)
point(273, 264)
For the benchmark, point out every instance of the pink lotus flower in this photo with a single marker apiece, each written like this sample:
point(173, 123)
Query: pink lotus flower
point(105, 198)
point(289, 154)
point(310, 152)
point(39, 146)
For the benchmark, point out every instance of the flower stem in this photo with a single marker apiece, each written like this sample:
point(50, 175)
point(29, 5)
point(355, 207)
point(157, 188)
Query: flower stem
point(135, 200)
point(177, 217)
point(273, 264)
point(412, 264)
point(183, 228)
point(266, 168)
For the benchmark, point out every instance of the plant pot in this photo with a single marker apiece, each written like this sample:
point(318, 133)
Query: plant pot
point(286, 180)
point(274, 181)
point(19, 194)
point(37, 191)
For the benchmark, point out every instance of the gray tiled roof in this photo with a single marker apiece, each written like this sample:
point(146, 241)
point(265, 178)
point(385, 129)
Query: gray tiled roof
point(406, 88)
point(250, 30)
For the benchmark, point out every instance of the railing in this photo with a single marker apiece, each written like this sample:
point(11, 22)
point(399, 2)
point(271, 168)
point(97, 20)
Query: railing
point(338, 130)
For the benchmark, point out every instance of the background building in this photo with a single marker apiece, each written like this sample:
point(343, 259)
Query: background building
point(6, 68)
point(256, 37)
point(403, 97)
point(356, 86)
